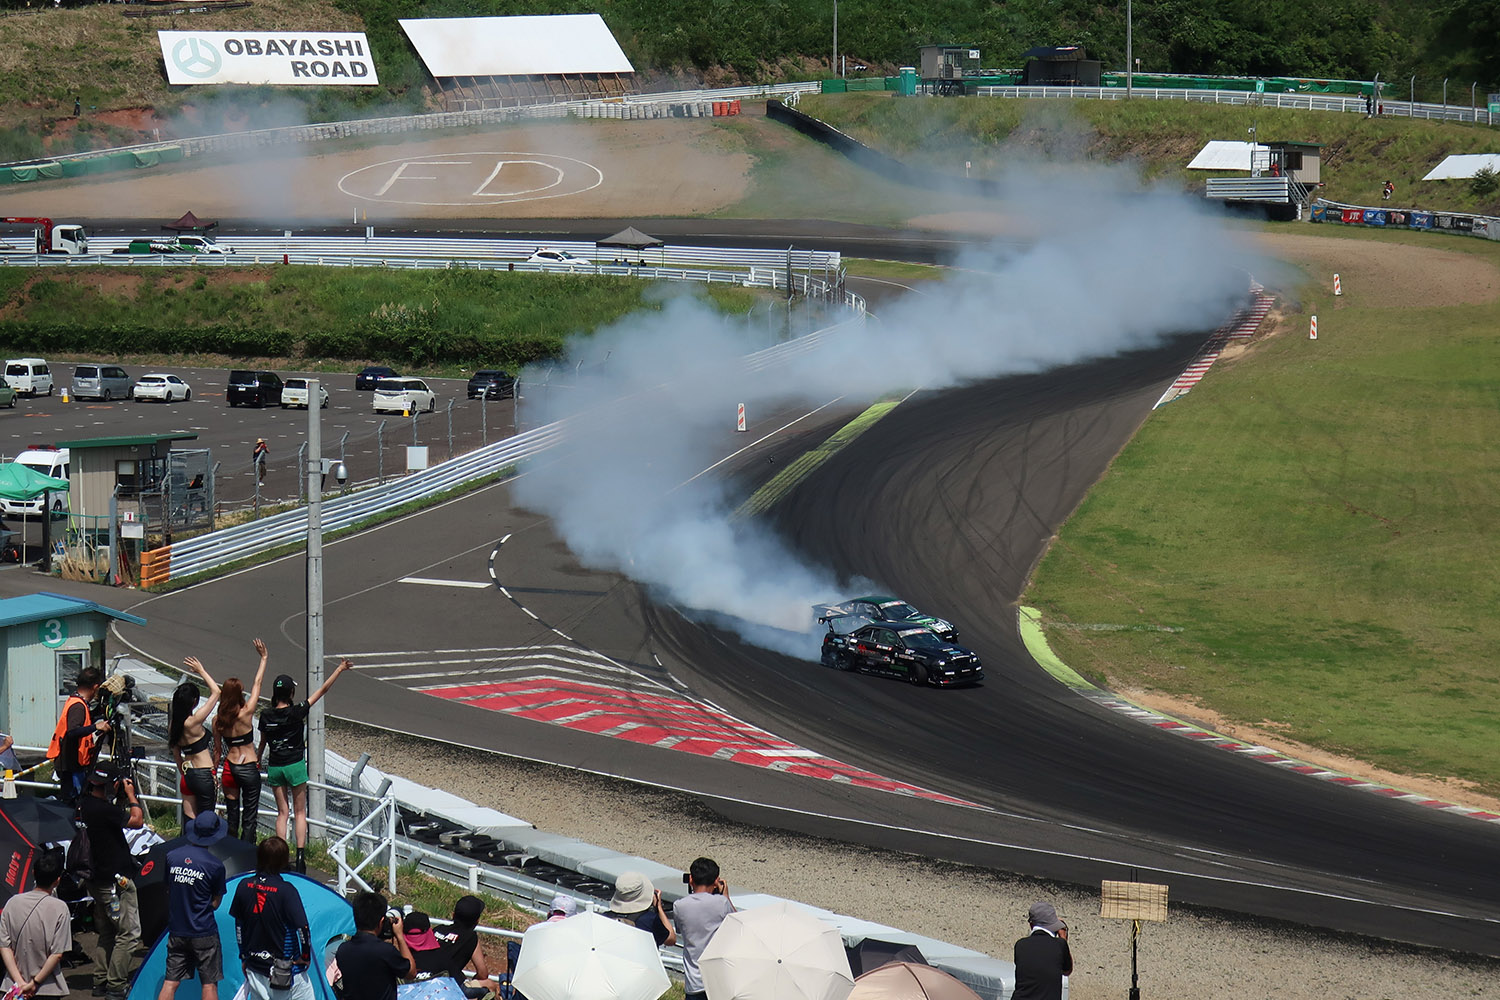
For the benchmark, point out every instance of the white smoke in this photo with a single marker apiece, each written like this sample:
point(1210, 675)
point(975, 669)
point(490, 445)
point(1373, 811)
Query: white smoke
point(1115, 266)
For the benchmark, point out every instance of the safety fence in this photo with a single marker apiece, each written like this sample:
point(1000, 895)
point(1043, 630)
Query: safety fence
point(1307, 102)
point(292, 135)
point(1486, 226)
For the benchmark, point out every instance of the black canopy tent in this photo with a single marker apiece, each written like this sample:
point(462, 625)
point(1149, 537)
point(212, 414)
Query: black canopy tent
point(190, 223)
point(631, 238)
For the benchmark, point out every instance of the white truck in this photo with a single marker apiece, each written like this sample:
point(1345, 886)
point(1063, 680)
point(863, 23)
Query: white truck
point(65, 237)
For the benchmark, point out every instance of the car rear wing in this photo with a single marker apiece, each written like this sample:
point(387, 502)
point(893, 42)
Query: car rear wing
point(845, 624)
point(826, 611)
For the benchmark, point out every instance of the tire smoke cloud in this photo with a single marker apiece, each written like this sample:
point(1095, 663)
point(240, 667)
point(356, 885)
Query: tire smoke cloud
point(1113, 266)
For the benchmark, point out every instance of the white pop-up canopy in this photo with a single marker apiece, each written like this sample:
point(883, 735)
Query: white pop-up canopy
point(1227, 154)
point(1461, 166)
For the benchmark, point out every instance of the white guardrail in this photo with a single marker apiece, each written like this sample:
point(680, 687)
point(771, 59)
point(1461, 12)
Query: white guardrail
point(1348, 103)
point(643, 105)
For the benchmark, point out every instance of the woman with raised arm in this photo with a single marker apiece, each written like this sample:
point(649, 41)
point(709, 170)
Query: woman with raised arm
point(189, 738)
point(283, 727)
point(234, 745)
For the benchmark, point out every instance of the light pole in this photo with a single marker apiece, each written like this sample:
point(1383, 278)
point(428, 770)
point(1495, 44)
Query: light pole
point(1413, 97)
point(1129, 51)
point(1445, 93)
point(836, 39)
point(315, 774)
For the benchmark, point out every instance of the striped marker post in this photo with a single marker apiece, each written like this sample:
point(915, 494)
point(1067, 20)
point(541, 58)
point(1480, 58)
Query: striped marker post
point(1337, 288)
point(740, 419)
point(1312, 332)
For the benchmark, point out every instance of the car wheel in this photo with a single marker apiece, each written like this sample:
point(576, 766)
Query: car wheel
point(106, 395)
point(283, 406)
point(918, 674)
point(233, 404)
point(187, 395)
point(49, 390)
point(432, 405)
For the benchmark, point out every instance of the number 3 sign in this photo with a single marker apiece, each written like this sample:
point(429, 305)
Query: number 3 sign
point(53, 632)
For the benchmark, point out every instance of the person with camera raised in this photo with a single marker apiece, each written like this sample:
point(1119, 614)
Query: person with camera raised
point(368, 965)
point(117, 910)
point(697, 916)
point(72, 750)
point(271, 927)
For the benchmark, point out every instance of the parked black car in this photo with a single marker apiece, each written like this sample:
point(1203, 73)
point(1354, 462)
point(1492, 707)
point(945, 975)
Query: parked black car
point(913, 653)
point(369, 375)
point(253, 388)
point(491, 383)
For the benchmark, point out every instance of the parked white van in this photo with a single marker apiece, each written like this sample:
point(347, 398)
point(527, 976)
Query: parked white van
point(49, 461)
point(28, 376)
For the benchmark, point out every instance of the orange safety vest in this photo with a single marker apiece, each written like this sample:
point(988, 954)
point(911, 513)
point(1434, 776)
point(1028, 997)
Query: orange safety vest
point(85, 743)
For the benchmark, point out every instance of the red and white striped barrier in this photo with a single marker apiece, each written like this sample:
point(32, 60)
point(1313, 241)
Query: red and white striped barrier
point(1312, 331)
point(1337, 288)
point(1242, 327)
point(740, 418)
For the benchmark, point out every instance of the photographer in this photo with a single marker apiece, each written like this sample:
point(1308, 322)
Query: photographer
point(72, 750)
point(697, 916)
point(117, 912)
point(369, 966)
point(271, 928)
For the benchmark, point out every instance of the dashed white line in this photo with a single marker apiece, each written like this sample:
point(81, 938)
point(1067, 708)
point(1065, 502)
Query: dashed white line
point(428, 581)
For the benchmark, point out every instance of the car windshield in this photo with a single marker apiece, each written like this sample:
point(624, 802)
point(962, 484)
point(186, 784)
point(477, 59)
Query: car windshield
point(897, 610)
point(920, 638)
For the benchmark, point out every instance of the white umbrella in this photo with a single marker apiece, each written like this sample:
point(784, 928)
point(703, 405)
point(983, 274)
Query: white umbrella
point(589, 957)
point(776, 952)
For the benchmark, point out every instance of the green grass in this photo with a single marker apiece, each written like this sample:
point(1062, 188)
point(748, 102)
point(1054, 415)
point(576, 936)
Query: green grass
point(1162, 136)
point(406, 317)
point(1319, 521)
point(863, 267)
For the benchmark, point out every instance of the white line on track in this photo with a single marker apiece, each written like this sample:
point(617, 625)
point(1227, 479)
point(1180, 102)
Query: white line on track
point(466, 584)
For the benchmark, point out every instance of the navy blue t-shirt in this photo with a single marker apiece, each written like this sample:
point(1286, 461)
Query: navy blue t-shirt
point(650, 922)
point(195, 878)
point(270, 923)
point(371, 968)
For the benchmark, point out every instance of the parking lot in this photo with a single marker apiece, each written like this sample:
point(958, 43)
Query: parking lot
point(350, 429)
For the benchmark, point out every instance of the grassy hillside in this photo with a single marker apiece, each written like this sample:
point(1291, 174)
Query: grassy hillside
point(1162, 136)
point(408, 318)
point(1306, 542)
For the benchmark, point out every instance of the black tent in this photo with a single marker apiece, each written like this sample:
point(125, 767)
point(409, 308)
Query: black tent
point(190, 223)
point(871, 954)
point(631, 238)
point(26, 823)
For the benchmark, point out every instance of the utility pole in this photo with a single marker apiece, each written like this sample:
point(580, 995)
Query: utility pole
point(835, 66)
point(316, 801)
point(1129, 51)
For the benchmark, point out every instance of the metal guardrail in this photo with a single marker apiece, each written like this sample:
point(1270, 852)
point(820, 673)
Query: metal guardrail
point(1270, 189)
point(326, 131)
point(454, 248)
point(1309, 102)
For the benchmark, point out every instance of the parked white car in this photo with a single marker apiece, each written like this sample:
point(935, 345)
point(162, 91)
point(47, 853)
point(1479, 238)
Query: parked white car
point(49, 461)
point(294, 393)
point(28, 376)
point(400, 395)
point(200, 244)
point(161, 387)
point(558, 258)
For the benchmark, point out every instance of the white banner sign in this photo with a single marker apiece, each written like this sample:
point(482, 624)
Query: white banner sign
point(317, 58)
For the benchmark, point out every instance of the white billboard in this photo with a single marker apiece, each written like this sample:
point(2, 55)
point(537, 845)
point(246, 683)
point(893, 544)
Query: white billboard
point(316, 58)
point(537, 44)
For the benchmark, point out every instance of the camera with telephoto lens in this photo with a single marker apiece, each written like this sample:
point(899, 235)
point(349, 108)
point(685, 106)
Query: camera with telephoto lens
point(388, 924)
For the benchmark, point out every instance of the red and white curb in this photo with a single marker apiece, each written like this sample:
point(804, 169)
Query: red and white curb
point(1242, 327)
point(1276, 758)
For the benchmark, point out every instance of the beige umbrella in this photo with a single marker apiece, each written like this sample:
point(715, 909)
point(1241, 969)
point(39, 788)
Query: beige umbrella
point(589, 957)
point(776, 952)
point(909, 981)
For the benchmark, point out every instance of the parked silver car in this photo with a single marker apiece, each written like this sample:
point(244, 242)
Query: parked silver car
point(104, 382)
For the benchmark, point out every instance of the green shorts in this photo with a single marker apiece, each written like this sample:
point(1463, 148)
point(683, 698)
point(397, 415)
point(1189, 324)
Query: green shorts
point(289, 776)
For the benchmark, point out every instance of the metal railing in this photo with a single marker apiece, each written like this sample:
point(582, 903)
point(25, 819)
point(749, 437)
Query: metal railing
point(1310, 102)
point(326, 131)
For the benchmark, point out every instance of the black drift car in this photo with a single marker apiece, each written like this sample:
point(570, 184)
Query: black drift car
point(913, 653)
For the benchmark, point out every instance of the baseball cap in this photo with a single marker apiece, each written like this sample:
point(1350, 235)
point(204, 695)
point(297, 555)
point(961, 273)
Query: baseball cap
point(283, 686)
point(633, 893)
point(417, 929)
point(564, 904)
point(101, 776)
point(1044, 915)
point(205, 829)
point(468, 910)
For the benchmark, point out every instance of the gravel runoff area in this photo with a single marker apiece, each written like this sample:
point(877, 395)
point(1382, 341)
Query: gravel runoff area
point(1202, 954)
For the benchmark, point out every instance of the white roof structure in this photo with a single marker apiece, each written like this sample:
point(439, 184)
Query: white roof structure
point(1223, 154)
point(1461, 166)
point(516, 46)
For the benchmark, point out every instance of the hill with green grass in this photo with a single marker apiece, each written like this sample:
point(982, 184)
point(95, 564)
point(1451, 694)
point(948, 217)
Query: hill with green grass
point(1162, 136)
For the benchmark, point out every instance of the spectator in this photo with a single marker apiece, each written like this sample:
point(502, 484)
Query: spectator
point(698, 915)
point(1043, 958)
point(284, 727)
point(234, 739)
point(258, 456)
point(637, 902)
point(370, 967)
point(271, 928)
point(72, 750)
point(436, 956)
point(1387, 190)
point(195, 886)
point(563, 907)
point(189, 738)
point(117, 911)
point(36, 932)
point(8, 760)
point(462, 943)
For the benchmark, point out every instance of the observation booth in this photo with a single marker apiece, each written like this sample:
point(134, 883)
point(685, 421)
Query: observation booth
point(126, 491)
point(943, 67)
point(1299, 161)
point(499, 62)
point(47, 639)
point(1062, 66)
